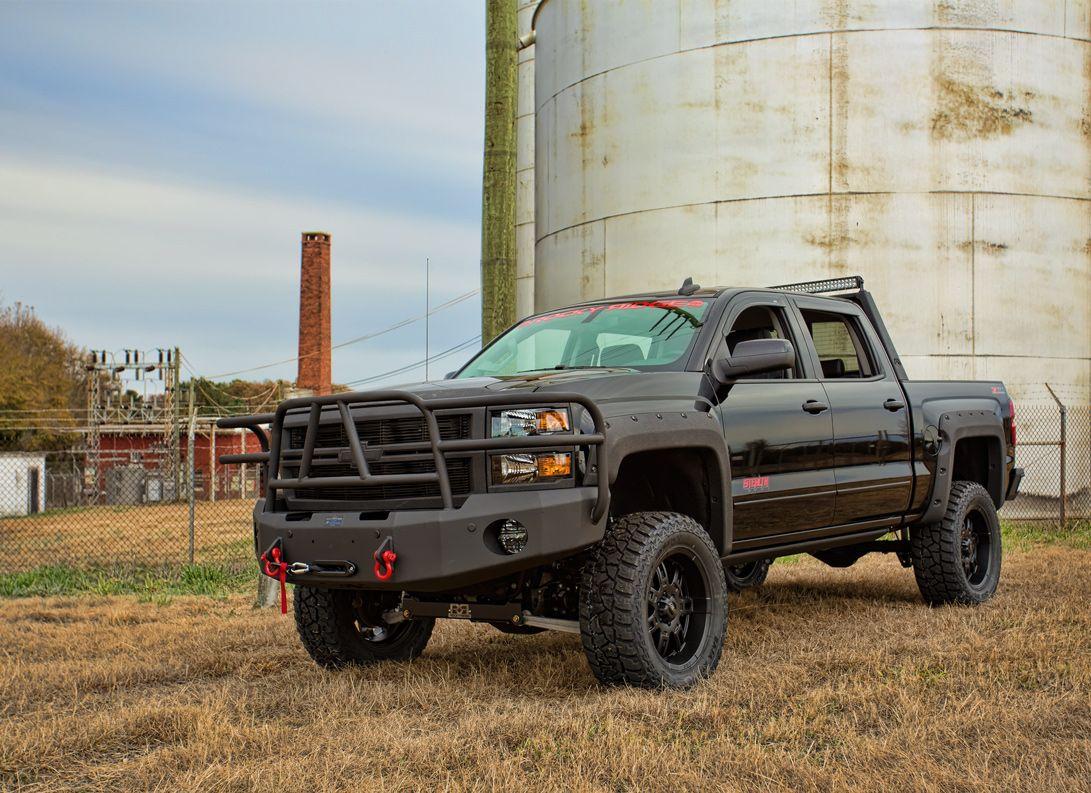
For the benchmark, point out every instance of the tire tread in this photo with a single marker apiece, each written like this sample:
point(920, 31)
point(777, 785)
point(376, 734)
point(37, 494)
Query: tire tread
point(937, 555)
point(611, 605)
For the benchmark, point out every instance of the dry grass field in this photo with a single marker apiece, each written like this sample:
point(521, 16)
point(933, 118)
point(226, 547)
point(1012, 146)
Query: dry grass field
point(141, 536)
point(831, 679)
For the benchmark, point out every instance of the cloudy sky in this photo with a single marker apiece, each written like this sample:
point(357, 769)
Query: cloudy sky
point(158, 162)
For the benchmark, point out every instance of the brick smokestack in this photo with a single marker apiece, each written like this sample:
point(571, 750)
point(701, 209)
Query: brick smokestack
point(314, 314)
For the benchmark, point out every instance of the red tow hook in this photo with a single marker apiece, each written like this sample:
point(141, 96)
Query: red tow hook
point(384, 560)
point(274, 566)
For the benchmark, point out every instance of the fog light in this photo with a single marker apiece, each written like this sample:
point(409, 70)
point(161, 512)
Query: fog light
point(512, 535)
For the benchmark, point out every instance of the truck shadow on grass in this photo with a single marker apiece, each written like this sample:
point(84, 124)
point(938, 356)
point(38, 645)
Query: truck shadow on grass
point(815, 600)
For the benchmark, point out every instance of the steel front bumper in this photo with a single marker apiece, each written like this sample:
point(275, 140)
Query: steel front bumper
point(436, 550)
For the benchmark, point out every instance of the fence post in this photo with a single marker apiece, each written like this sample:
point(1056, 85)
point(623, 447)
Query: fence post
point(212, 462)
point(189, 465)
point(268, 592)
point(1064, 455)
point(1064, 448)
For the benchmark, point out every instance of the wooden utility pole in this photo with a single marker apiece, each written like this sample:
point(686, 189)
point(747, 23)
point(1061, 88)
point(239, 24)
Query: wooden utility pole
point(498, 182)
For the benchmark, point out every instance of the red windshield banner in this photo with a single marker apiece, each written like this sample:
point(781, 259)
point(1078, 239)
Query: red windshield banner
point(585, 310)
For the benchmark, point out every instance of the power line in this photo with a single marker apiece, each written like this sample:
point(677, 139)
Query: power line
point(357, 340)
point(417, 364)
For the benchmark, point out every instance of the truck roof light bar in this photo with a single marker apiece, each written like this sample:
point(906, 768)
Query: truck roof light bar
point(846, 284)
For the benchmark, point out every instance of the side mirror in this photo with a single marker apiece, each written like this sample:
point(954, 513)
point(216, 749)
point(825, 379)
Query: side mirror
point(450, 375)
point(755, 357)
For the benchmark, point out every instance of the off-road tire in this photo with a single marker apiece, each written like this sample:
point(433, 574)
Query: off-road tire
point(327, 623)
point(747, 575)
point(517, 630)
point(937, 550)
point(616, 594)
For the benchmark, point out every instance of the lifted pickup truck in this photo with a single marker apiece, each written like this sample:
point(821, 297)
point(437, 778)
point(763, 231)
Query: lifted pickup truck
point(614, 468)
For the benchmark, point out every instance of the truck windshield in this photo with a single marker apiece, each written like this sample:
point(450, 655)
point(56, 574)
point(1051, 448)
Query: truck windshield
point(636, 334)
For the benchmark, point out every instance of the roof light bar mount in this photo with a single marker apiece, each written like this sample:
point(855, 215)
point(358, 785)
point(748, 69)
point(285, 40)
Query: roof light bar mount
point(847, 283)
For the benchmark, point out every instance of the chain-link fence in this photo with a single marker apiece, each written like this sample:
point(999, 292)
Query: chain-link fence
point(1054, 448)
point(131, 501)
point(126, 503)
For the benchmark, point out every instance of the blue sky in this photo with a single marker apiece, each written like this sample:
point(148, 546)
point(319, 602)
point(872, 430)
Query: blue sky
point(158, 162)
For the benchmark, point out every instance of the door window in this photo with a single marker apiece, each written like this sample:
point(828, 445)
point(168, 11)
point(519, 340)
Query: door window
point(759, 322)
point(841, 350)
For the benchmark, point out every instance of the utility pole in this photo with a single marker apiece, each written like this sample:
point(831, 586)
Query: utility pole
point(427, 312)
point(173, 422)
point(192, 435)
point(498, 179)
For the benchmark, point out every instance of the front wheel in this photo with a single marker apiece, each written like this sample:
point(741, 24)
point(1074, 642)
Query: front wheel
point(653, 603)
point(958, 559)
point(339, 627)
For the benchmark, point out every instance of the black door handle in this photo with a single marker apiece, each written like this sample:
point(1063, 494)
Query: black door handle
point(814, 406)
point(893, 404)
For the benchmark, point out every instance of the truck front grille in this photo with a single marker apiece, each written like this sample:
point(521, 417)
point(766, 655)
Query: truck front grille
point(386, 435)
point(458, 470)
point(383, 431)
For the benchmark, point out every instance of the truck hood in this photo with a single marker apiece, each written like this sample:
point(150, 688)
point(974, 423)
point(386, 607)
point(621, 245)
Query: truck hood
point(616, 390)
point(565, 379)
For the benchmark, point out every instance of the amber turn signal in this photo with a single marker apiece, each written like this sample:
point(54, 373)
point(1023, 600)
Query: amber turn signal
point(553, 466)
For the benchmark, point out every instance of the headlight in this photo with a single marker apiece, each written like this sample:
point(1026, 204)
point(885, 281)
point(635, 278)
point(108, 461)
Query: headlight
point(530, 421)
point(520, 469)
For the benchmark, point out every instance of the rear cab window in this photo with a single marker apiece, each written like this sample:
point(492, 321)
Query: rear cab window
point(842, 351)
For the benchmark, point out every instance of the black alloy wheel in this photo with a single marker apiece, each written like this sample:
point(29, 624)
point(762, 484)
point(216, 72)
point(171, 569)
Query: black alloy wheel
point(653, 602)
point(958, 559)
point(677, 607)
point(747, 575)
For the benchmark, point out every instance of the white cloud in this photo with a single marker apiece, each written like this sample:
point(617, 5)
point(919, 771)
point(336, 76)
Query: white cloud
point(135, 145)
point(220, 263)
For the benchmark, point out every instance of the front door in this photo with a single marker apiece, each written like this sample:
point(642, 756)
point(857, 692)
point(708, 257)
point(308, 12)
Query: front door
point(779, 434)
point(871, 451)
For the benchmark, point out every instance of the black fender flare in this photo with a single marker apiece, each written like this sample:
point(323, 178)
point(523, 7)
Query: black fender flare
point(955, 424)
point(691, 430)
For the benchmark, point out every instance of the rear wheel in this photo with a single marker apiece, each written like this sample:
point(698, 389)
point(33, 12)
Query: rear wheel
point(653, 602)
point(958, 559)
point(747, 575)
point(339, 627)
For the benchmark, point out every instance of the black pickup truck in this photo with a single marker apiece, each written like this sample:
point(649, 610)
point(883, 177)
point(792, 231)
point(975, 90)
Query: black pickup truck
point(614, 468)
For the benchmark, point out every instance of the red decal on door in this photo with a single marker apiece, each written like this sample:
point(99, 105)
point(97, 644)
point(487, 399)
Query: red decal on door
point(755, 483)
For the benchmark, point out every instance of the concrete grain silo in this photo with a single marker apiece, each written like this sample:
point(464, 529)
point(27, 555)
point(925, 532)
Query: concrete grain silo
point(940, 149)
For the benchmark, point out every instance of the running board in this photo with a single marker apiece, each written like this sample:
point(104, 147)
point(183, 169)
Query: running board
point(805, 546)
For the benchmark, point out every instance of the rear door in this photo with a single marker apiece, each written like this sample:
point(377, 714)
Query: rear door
point(871, 432)
point(779, 431)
